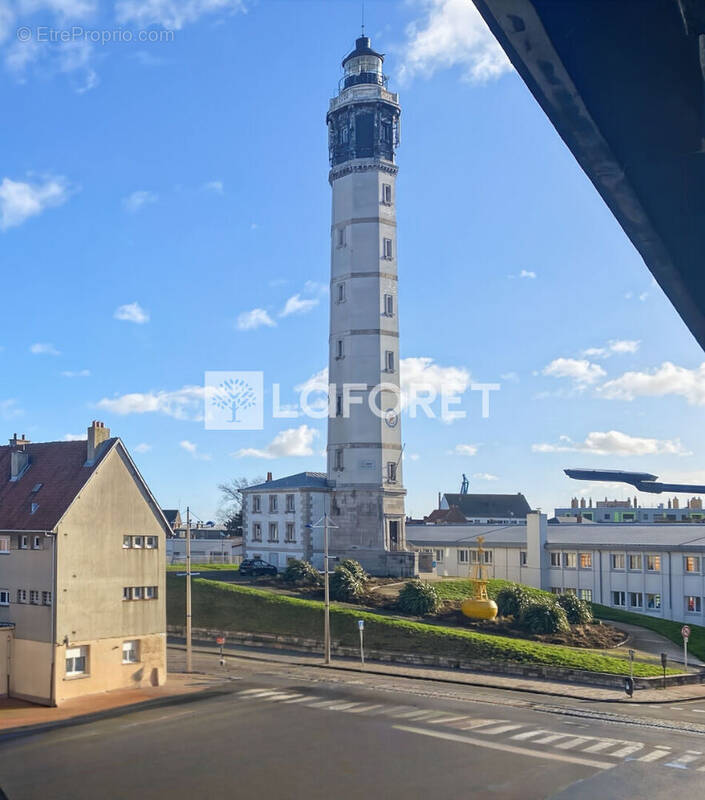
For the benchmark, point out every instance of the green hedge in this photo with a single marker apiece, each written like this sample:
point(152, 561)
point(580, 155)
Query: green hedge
point(666, 627)
point(224, 607)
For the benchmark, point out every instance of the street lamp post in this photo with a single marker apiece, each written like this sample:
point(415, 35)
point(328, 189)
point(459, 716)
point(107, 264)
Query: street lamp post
point(189, 652)
point(325, 524)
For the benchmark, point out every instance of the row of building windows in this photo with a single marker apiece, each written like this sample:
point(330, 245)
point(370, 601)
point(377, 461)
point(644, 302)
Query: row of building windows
point(636, 600)
point(139, 542)
point(633, 562)
point(290, 535)
point(273, 503)
point(77, 658)
point(472, 557)
point(32, 596)
point(24, 542)
point(139, 593)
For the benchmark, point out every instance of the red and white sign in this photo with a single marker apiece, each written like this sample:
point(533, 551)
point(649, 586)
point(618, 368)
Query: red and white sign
point(685, 631)
point(220, 639)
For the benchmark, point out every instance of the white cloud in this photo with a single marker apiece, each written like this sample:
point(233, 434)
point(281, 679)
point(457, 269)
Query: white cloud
point(142, 447)
point(413, 456)
point(464, 450)
point(213, 186)
point(453, 33)
point(421, 372)
point(78, 373)
point(75, 437)
point(6, 19)
point(484, 476)
point(250, 320)
point(614, 443)
point(137, 200)
point(185, 403)
point(298, 305)
point(527, 273)
point(74, 9)
point(43, 349)
point(580, 371)
point(192, 449)
point(291, 442)
point(668, 379)
point(171, 14)
point(132, 312)
point(20, 200)
point(9, 409)
point(512, 377)
point(614, 346)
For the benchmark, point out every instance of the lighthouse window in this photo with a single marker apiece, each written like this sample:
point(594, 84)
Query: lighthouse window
point(339, 348)
point(387, 248)
point(391, 471)
point(339, 406)
point(387, 194)
point(341, 292)
point(389, 361)
point(340, 237)
point(386, 132)
point(339, 459)
point(389, 305)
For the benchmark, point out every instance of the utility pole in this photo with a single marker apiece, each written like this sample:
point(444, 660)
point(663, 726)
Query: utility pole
point(326, 627)
point(189, 654)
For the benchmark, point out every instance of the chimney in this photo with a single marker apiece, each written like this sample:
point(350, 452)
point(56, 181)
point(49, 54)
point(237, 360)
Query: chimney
point(269, 477)
point(19, 457)
point(97, 434)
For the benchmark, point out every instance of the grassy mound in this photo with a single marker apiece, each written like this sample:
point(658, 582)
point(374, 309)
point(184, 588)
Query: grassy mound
point(222, 606)
point(666, 627)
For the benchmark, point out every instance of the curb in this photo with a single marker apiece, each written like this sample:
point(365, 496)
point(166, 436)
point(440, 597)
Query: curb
point(109, 713)
point(202, 648)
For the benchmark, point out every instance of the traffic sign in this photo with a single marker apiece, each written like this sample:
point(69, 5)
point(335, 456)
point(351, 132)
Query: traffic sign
point(361, 624)
point(220, 639)
point(685, 631)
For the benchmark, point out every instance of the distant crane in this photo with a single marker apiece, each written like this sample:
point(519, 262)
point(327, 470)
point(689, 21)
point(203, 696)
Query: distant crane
point(464, 486)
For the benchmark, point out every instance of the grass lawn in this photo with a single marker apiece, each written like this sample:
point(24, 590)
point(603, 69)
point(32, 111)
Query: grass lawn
point(459, 589)
point(222, 606)
point(202, 567)
point(666, 627)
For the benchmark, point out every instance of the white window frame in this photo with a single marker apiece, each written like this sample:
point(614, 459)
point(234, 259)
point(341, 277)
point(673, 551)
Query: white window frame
point(256, 531)
point(639, 598)
point(697, 563)
point(151, 542)
point(4, 597)
point(698, 604)
point(74, 655)
point(4, 544)
point(555, 559)
point(256, 503)
point(127, 543)
point(131, 651)
point(290, 503)
point(636, 557)
point(586, 594)
point(587, 557)
point(126, 593)
point(34, 597)
point(655, 561)
point(273, 504)
point(273, 532)
point(36, 543)
point(653, 607)
point(463, 556)
point(621, 596)
point(138, 542)
point(290, 534)
point(388, 305)
point(386, 194)
point(614, 559)
point(389, 361)
point(439, 555)
point(21, 595)
point(137, 592)
point(568, 558)
point(46, 598)
point(387, 250)
point(24, 542)
point(150, 592)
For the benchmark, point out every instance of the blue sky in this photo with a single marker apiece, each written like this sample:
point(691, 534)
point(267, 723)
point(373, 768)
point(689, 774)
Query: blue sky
point(153, 194)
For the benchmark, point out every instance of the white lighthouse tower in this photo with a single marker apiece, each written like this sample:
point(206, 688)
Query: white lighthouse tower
point(364, 429)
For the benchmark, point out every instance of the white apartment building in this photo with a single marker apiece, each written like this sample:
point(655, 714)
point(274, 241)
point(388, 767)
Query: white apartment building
point(651, 569)
point(276, 516)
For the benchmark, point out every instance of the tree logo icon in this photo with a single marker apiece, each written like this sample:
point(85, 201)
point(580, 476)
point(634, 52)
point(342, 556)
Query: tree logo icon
point(234, 400)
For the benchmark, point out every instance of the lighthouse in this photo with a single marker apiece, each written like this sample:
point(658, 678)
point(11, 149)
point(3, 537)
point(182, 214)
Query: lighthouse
point(364, 452)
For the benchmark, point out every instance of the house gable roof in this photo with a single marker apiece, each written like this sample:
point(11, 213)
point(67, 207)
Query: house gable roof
point(57, 471)
point(301, 480)
point(502, 506)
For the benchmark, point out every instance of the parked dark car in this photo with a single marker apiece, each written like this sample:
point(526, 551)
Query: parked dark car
point(256, 567)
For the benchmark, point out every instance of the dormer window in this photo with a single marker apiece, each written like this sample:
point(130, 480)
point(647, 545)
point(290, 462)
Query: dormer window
point(35, 506)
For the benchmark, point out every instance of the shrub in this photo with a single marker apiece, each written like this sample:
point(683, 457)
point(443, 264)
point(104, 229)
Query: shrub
point(301, 573)
point(512, 600)
point(576, 610)
point(543, 616)
point(418, 598)
point(348, 583)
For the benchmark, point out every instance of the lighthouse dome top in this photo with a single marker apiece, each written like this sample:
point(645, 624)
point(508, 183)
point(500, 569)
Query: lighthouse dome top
point(362, 48)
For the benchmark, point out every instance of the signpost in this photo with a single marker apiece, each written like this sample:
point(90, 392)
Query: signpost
point(664, 662)
point(685, 633)
point(361, 628)
point(220, 640)
point(629, 682)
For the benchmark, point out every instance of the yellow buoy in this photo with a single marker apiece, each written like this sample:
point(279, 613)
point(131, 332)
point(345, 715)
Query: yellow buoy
point(479, 606)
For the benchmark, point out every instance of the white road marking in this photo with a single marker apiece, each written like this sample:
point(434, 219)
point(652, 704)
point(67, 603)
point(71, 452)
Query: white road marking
point(363, 709)
point(552, 737)
point(479, 723)
point(687, 758)
point(660, 752)
point(447, 720)
point(507, 748)
point(576, 742)
point(623, 752)
point(603, 744)
point(529, 735)
point(501, 729)
point(302, 699)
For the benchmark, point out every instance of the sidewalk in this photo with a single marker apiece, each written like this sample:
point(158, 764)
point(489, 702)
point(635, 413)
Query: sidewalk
point(486, 680)
point(17, 714)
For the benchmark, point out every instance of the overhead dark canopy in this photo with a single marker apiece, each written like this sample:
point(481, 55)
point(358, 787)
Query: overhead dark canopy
point(622, 81)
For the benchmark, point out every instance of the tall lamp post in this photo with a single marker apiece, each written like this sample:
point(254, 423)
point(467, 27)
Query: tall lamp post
point(325, 524)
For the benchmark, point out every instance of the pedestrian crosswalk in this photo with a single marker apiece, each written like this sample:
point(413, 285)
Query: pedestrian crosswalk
point(601, 752)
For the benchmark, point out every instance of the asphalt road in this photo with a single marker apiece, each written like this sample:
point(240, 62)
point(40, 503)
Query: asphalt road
point(281, 731)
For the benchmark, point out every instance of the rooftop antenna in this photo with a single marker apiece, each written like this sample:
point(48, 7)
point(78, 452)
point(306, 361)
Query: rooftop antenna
point(363, 17)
